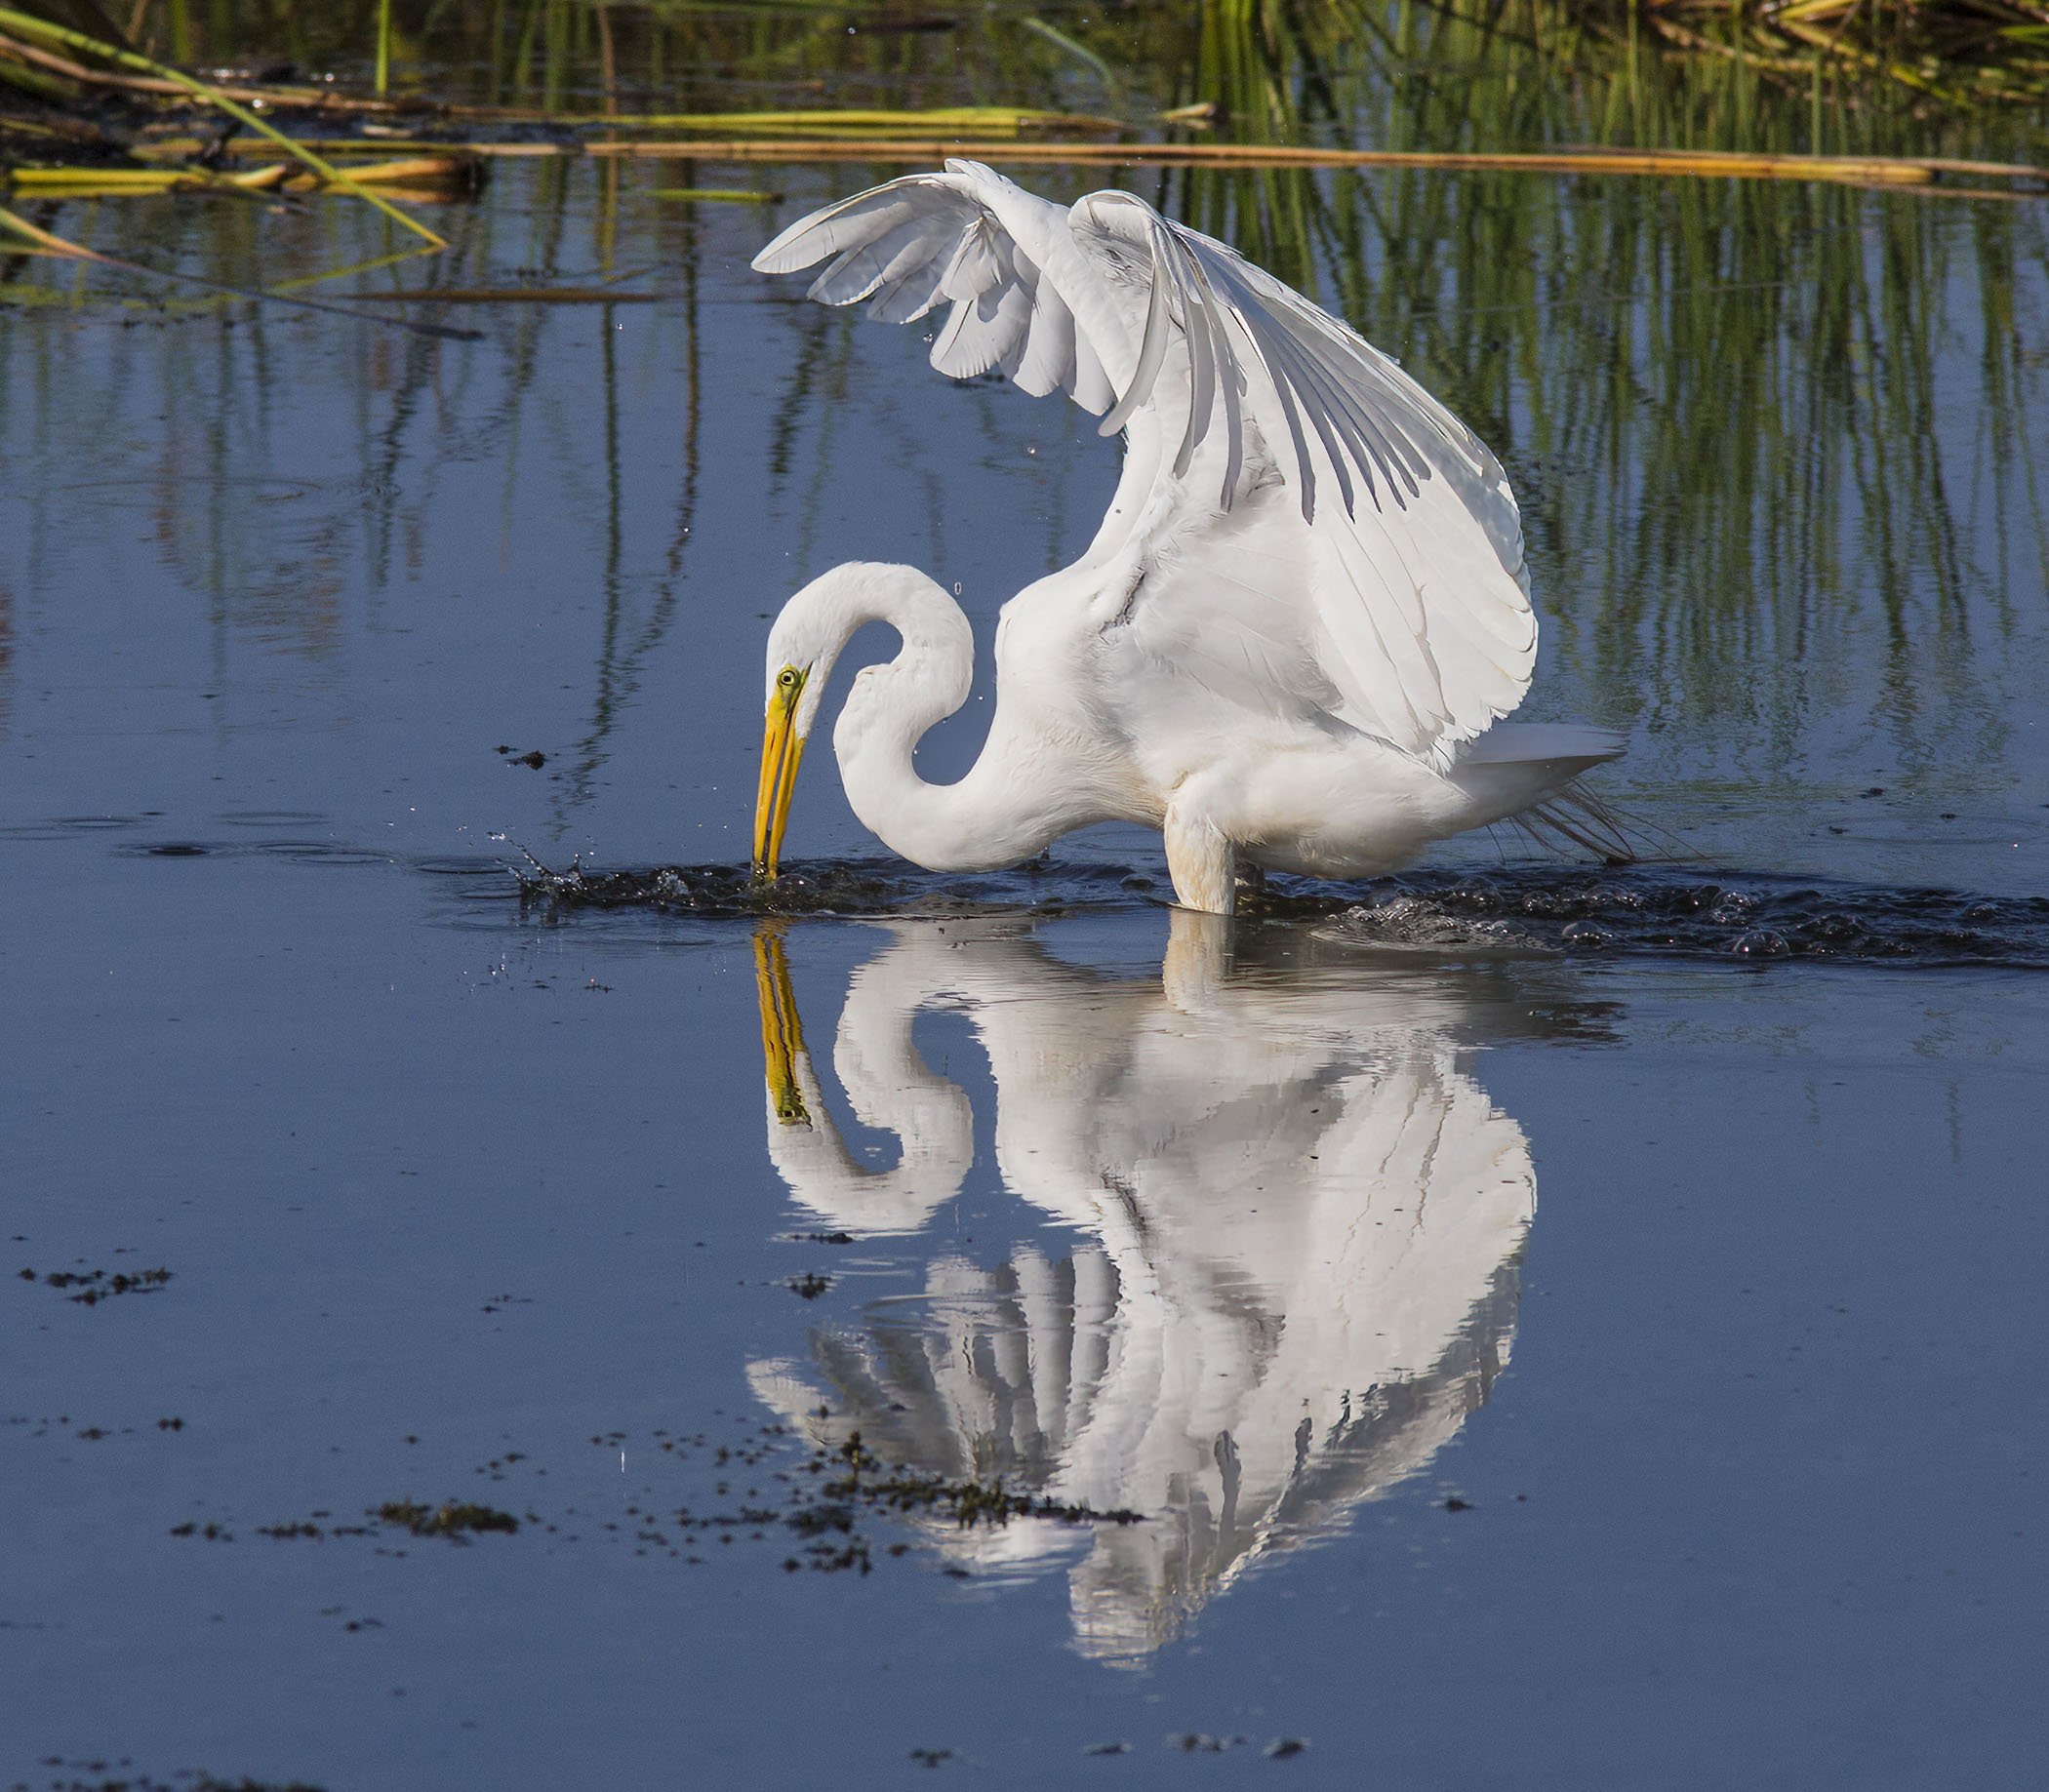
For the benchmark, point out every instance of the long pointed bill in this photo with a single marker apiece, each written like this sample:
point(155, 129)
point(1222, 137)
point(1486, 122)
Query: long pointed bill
point(782, 1033)
point(782, 747)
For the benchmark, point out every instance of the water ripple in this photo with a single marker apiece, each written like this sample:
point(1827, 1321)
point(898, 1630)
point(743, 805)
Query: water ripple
point(1745, 916)
point(1742, 916)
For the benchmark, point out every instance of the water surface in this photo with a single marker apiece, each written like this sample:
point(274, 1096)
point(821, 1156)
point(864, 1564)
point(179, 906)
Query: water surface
point(1554, 1324)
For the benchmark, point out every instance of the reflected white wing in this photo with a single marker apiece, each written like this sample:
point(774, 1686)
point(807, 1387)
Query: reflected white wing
point(1408, 593)
point(1300, 1221)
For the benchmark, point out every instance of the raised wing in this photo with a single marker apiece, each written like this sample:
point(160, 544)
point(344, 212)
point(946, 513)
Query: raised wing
point(1409, 593)
point(915, 243)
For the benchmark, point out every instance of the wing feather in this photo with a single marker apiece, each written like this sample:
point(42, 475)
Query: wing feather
point(1399, 570)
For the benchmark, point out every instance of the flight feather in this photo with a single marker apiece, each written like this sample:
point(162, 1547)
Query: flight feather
point(1396, 566)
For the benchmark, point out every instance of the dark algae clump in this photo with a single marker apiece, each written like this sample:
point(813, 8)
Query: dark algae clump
point(102, 1775)
point(94, 1286)
point(967, 1503)
point(822, 1498)
point(851, 1481)
point(455, 1520)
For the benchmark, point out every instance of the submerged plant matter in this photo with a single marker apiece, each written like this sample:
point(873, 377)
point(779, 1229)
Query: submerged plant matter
point(820, 1499)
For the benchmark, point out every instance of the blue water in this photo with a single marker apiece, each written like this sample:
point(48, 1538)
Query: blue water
point(1541, 1358)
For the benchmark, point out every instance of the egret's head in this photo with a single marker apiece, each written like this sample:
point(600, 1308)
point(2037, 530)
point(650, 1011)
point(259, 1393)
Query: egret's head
point(804, 645)
point(801, 646)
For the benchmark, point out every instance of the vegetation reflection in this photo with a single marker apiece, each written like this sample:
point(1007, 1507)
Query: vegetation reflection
point(1746, 420)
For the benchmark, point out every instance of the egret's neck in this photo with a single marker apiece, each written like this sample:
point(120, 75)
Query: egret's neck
point(1013, 801)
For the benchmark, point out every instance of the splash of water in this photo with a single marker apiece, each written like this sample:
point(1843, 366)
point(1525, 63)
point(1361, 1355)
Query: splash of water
point(1638, 911)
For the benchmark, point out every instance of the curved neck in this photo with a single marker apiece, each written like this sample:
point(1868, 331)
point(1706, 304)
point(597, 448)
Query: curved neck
point(1013, 800)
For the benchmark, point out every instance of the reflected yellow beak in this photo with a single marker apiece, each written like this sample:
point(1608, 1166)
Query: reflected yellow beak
point(782, 1033)
point(782, 748)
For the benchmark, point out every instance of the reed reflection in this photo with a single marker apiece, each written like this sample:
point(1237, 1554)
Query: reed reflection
point(1301, 1218)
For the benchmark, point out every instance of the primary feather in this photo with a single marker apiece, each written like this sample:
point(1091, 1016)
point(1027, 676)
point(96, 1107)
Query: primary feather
point(1301, 539)
point(1408, 591)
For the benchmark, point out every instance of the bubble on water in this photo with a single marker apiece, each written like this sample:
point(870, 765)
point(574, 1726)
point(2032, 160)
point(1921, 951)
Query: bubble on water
point(1396, 918)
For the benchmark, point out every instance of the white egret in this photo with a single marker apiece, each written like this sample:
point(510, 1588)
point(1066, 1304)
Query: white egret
point(1290, 643)
point(1293, 1222)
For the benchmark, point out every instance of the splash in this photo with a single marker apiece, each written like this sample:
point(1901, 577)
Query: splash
point(1637, 911)
point(844, 887)
point(1510, 910)
point(1747, 916)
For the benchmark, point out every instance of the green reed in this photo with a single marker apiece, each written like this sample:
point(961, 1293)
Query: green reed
point(1722, 404)
point(1874, 54)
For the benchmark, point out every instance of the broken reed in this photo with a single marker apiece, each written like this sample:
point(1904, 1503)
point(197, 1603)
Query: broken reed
point(38, 41)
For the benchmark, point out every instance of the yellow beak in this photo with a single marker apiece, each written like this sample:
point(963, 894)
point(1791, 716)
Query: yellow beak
point(782, 748)
point(781, 1034)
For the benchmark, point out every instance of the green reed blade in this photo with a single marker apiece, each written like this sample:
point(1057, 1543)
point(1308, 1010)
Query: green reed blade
point(28, 26)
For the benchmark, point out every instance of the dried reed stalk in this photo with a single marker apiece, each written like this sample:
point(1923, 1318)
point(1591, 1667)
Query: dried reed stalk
point(1881, 171)
point(25, 24)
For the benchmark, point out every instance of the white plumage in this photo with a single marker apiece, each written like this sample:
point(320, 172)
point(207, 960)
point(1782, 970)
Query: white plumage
point(1295, 633)
point(1295, 1221)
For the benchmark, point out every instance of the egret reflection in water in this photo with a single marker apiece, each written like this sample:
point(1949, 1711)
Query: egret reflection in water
point(1301, 1223)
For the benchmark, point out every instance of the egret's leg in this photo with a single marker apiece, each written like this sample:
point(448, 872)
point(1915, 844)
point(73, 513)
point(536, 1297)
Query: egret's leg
point(1201, 862)
point(1197, 959)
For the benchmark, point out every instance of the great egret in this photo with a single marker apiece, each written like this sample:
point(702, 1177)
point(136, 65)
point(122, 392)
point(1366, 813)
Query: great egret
point(1293, 1222)
point(1289, 642)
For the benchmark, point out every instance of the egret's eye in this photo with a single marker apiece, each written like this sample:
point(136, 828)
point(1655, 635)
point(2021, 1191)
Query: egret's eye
point(786, 679)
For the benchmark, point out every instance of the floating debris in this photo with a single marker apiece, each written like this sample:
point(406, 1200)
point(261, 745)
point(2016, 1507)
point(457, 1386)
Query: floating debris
point(455, 1520)
point(119, 1776)
point(820, 1500)
point(97, 1285)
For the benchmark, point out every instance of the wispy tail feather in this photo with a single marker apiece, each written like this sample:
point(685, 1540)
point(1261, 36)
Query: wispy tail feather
point(1577, 821)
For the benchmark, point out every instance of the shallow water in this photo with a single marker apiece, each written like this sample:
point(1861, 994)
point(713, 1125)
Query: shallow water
point(1556, 1326)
